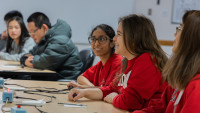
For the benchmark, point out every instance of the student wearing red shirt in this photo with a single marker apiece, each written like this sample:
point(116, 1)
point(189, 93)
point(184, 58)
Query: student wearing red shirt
point(182, 71)
point(140, 79)
point(101, 74)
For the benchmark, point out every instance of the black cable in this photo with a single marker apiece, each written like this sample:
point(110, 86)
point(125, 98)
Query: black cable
point(5, 105)
point(18, 97)
point(29, 87)
point(36, 99)
point(49, 101)
point(47, 91)
point(40, 110)
point(39, 94)
point(55, 91)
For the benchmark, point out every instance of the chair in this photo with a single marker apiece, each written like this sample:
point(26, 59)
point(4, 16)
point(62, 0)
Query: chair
point(2, 44)
point(87, 57)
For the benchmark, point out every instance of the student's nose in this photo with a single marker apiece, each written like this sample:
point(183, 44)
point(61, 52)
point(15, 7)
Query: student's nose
point(13, 29)
point(97, 43)
point(115, 38)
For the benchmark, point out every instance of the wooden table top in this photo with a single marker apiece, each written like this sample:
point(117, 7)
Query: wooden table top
point(93, 106)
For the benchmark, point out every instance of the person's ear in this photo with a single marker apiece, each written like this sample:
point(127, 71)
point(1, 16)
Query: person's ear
point(46, 28)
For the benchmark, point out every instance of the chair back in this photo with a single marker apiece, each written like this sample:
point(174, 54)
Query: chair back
point(2, 43)
point(87, 57)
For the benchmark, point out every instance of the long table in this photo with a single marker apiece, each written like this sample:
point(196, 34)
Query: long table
point(53, 107)
point(9, 68)
point(16, 67)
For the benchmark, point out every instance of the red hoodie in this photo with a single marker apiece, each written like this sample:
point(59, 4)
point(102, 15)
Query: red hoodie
point(189, 102)
point(102, 75)
point(140, 83)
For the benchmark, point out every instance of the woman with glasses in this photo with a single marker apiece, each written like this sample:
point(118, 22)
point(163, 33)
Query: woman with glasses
point(182, 71)
point(101, 74)
point(18, 41)
point(140, 80)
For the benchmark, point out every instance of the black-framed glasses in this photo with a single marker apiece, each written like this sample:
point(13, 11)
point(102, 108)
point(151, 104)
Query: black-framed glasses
point(178, 29)
point(101, 39)
point(34, 31)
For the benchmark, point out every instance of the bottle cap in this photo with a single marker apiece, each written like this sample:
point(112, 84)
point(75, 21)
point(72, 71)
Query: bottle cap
point(18, 106)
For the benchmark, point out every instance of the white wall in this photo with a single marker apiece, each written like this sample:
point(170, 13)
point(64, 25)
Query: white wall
point(82, 15)
point(161, 17)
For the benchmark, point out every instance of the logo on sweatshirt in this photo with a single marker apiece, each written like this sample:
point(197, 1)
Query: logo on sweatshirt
point(124, 79)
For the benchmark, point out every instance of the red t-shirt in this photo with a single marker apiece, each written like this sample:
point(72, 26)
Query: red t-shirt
point(189, 102)
point(141, 82)
point(101, 75)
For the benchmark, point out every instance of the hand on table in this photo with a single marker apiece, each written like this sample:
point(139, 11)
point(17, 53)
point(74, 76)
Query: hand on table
point(73, 84)
point(28, 61)
point(76, 94)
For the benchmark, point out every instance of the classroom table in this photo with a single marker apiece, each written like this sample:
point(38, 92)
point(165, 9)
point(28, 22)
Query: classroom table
point(9, 68)
point(15, 67)
point(92, 106)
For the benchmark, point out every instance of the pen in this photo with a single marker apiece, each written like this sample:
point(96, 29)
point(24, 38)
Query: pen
point(73, 104)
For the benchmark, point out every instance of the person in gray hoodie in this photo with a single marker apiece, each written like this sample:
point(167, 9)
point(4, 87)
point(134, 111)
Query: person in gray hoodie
point(54, 50)
point(18, 40)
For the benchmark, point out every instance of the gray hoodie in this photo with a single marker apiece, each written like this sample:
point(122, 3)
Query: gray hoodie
point(14, 55)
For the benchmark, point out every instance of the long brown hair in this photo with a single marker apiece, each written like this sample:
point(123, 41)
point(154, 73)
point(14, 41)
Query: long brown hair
point(140, 37)
point(184, 63)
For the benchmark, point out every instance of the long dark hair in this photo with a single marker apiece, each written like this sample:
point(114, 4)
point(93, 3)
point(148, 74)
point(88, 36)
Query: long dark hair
point(140, 37)
point(108, 30)
point(23, 37)
point(184, 63)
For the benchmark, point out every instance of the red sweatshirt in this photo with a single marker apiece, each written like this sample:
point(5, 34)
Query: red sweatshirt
point(101, 75)
point(189, 102)
point(140, 83)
